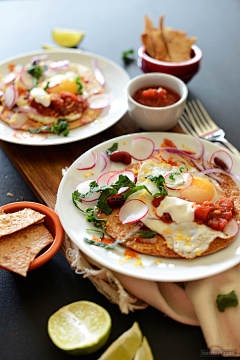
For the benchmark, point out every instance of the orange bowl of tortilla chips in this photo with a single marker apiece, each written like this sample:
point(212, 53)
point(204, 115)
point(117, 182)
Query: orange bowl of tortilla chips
point(30, 235)
point(168, 51)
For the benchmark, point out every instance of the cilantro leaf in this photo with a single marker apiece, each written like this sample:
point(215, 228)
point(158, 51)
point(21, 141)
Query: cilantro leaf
point(171, 176)
point(132, 190)
point(47, 85)
point(127, 56)
point(159, 181)
point(227, 300)
point(60, 128)
point(143, 234)
point(102, 244)
point(113, 148)
point(36, 71)
point(80, 87)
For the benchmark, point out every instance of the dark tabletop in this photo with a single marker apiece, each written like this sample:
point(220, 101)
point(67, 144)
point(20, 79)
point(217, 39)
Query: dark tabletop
point(111, 27)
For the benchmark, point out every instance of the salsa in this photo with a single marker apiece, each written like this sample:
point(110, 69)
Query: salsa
point(156, 96)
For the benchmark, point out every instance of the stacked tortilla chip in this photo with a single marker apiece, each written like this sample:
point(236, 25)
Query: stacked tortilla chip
point(166, 44)
point(22, 236)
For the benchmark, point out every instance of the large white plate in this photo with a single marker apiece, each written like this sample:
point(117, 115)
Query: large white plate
point(169, 269)
point(116, 81)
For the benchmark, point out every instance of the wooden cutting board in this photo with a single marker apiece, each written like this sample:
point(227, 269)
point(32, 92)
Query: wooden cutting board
point(41, 166)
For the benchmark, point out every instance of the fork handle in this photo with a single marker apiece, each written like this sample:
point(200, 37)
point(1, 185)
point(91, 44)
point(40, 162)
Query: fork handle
point(229, 146)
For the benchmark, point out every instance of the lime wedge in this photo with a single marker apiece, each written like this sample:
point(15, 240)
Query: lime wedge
point(67, 37)
point(125, 347)
point(80, 328)
point(144, 352)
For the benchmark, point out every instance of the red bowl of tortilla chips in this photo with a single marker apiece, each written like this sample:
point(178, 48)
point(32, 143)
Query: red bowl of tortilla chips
point(184, 69)
point(33, 235)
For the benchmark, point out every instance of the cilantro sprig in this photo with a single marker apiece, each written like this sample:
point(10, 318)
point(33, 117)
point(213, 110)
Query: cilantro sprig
point(60, 128)
point(36, 70)
point(113, 148)
point(128, 56)
point(171, 176)
point(80, 87)
point(160, 182)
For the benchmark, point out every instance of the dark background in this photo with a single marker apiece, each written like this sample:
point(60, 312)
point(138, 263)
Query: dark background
point(111, 28)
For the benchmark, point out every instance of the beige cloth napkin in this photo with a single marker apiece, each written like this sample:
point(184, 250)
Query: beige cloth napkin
point(192, 303)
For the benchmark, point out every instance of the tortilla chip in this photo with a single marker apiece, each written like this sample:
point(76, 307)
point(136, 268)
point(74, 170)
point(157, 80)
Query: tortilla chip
point(161, 49)
point(18, 250)
point(179, 47)
point(10, 223)
point(147, 41)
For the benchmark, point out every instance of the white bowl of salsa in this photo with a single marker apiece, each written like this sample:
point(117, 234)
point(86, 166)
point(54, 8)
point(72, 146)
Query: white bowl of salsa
point(156, 101)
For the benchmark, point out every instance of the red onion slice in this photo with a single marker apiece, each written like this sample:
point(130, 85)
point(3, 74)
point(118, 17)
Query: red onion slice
point(103, 179)
point(17, 120)
point(206, 166)
point(36, 59)
point(104, 163)
point(11, 95)
point(222, 159)
point(220, 171)
point(84, 188)
point(132, 211)
point(88, 161)
point(60, 65)
point(97, 72)
point(99, 101)
point(181, 181)
point(179, 152)
point(200, 152)
point(8, 78)
point(142, 148)
point(231, 228)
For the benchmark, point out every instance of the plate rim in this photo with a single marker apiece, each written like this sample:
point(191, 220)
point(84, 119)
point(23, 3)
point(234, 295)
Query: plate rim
point(66, 140)
point(117, 268)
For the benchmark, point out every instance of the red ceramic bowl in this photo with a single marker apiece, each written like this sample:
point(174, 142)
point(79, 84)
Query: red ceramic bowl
point(52, 223)
point(178, 69)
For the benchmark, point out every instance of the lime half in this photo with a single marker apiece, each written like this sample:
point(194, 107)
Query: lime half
point(67, 37)
point(144, 352)
point(80, 328)
point(125, 347)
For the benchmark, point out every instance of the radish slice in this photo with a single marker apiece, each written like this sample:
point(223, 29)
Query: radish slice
point(88, 161)
point(115, 177)
point(36, 59)
point(231, 228)
point(222, 159)
point(60, 65)
point(165, 156)
point(99, 101)
point(97, 72)
point(181, 181)
point(83, 188)
point(11, 95)
point(26, 109)
point(104, 163)
point(8, 78)
point(17, 120)
point(153, 158)
point(103, 179)
point(132, 211)
point(142, 148)
point(26, 79)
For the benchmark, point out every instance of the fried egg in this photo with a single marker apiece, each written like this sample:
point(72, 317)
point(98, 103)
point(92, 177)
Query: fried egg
point(183, 235)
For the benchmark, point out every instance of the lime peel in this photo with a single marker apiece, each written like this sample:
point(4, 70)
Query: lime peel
point(144, 352)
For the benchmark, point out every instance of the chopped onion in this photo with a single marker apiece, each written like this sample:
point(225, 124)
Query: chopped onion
point(231, 228)
point(97, 72)
point(99, 101)
point(222, 159)
point(60, 65)
point(88, 161)
point(103, 179)
point(17, 120)
point(142, 148)
point(132, 211)
point(83, 188)
point(11, 95)
point(181, 181)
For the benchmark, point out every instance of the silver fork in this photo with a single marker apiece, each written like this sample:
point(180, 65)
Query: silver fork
point(202, 125)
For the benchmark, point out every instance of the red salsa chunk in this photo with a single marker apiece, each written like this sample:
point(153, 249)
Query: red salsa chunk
point(156, 96)
point(217, 215)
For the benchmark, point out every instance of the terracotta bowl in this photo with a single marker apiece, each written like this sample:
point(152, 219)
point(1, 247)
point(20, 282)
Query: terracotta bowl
point(185, 70)
point(52, 223)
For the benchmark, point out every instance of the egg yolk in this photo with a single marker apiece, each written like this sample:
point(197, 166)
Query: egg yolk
point(199, 191)
point(65, 85)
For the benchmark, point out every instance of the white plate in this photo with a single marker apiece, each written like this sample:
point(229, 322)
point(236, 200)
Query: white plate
point(116, 81)
point(169, 269)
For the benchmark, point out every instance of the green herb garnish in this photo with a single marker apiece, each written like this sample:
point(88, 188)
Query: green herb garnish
point(127, 56)
point(113, 148)
point(132, 190)
point(36, 71)
point(228, 300)
point(160, 182)
point(143, 234)
point(80, 87)
point(46, 87)
point(102, 244)
point(171, 176)
point(60, 128)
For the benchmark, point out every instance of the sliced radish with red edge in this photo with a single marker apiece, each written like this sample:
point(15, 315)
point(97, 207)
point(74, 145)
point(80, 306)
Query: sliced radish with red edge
point(8, 78)
point(83, 188)
point(17, 120)
point(97, 72)
point(26, 79)
point(103, 179)
point(11, 95)
point(231, 228)
point(99, 101)
point(88, 161)
point(222, 159)
point(60, 65)
point(181, 181)
point(132, 211)
point(142, 148)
